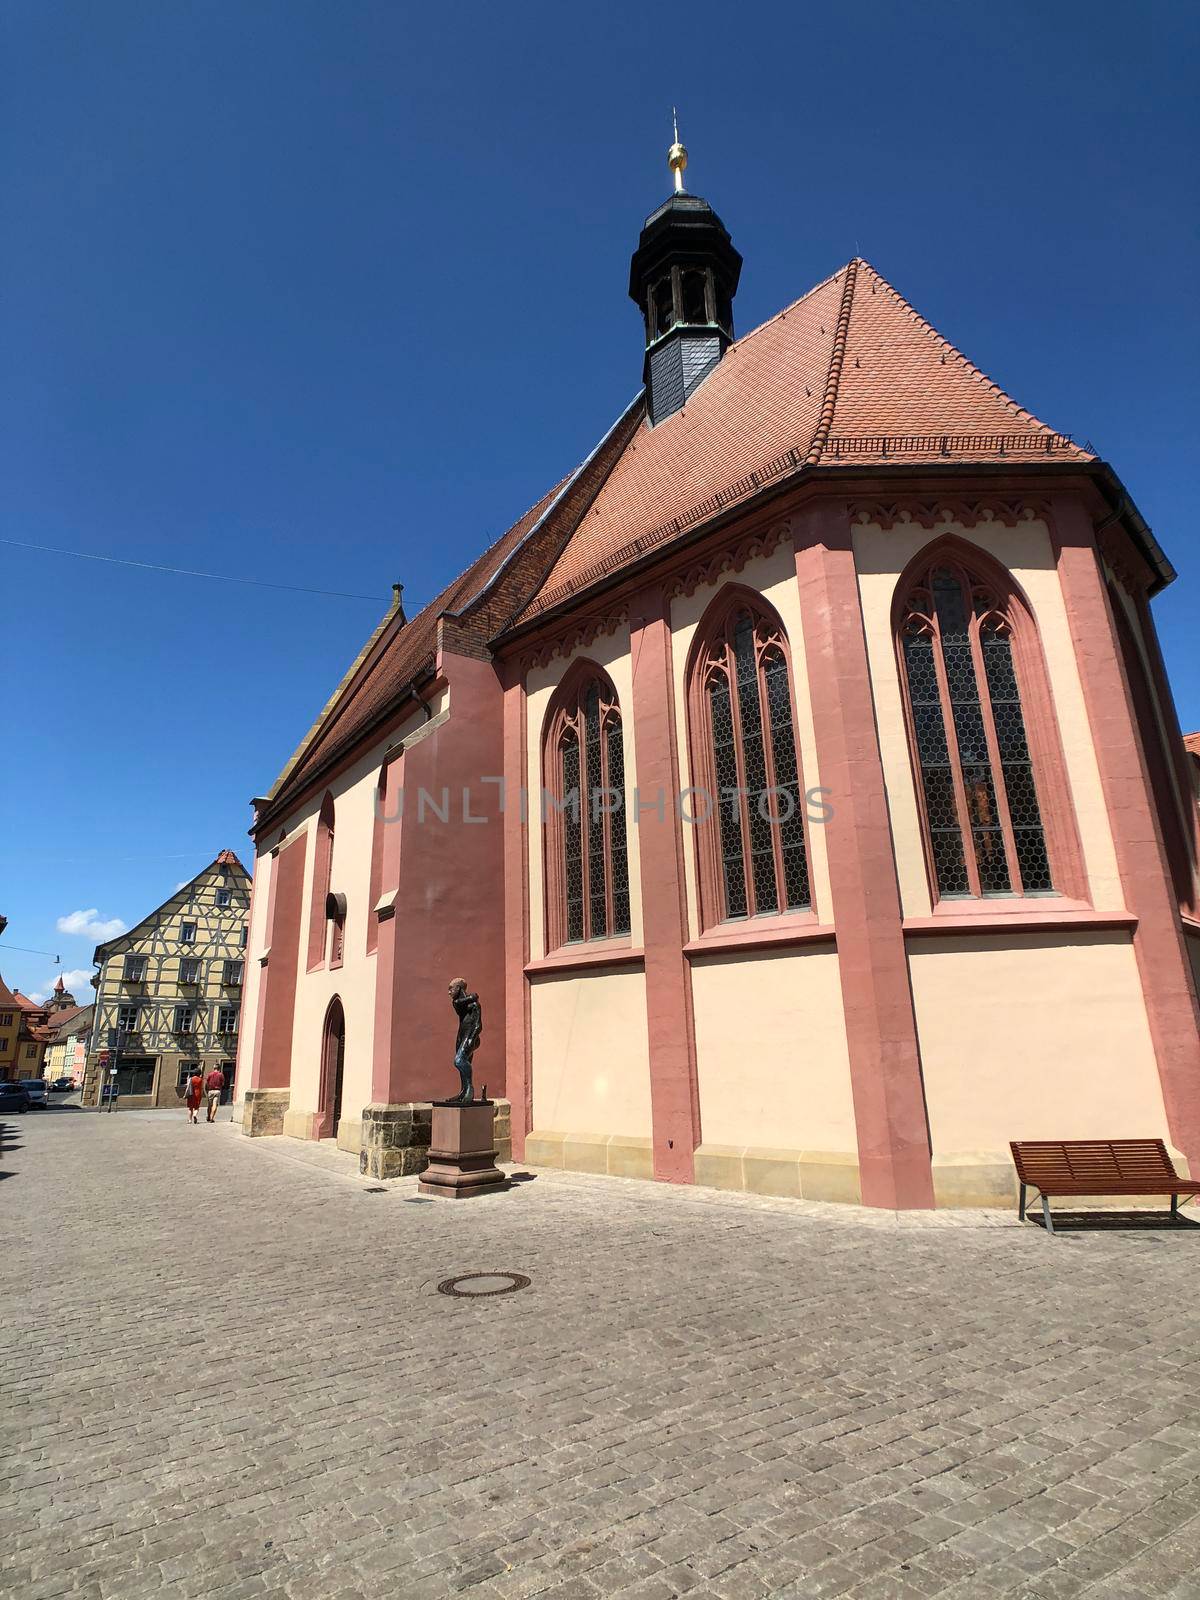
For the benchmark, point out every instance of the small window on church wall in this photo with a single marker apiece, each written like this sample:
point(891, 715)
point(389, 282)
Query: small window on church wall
point(664, 305)
point(318, 921)
point(749, 809)
point(695, 306)
point(978, 786)
point(587, 860)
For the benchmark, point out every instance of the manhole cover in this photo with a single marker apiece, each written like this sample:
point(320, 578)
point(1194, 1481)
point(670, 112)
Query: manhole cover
point(483, 1283)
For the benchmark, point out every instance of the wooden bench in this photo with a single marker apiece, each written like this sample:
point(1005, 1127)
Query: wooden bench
point(1061, 1167)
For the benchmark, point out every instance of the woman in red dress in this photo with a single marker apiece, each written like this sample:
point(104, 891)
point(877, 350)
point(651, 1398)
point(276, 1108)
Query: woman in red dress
point(195, 1091)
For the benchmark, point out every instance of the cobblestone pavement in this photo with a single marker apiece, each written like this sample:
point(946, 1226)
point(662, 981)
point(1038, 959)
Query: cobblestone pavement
point(227, 1371)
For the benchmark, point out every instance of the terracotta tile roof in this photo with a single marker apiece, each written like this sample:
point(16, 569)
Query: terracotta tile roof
point(25, 1003)
point(1191, 743)
point(395, 653)
point(849, 374)
point(64, 1023)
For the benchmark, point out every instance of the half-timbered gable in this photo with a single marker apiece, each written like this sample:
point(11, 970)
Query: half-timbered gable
point(169, 991)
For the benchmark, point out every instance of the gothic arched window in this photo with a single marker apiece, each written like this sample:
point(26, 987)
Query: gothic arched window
point(990, 779)
point(587, 863)
point(749, 808)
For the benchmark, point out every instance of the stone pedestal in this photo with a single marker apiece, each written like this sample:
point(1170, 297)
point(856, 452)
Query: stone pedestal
point(395, 1140)
point(462, 1152)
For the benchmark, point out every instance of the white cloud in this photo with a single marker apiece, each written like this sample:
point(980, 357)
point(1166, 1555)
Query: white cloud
point(87, 925)
point(77, 981)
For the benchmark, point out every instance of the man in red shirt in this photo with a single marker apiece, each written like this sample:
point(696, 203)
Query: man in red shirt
point(213, 1085)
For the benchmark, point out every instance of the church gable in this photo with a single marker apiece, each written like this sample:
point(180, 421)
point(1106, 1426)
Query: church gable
point(848, 374)
point(904, 392)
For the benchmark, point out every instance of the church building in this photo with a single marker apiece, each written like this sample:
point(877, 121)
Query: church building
point(797, 783)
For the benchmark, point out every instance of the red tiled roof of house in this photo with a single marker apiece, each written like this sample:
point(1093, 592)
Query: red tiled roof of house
point(1191, 743)
point(61, 1024)
point(849, 374)
point(25, 1003)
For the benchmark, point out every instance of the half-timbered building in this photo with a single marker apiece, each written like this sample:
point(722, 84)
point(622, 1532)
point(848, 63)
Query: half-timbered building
point(797, 782)
point(169, 992)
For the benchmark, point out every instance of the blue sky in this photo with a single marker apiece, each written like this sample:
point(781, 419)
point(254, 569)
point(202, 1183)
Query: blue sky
point(327, 294)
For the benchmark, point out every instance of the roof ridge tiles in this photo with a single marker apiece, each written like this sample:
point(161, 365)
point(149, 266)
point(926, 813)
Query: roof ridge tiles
point(837, 357)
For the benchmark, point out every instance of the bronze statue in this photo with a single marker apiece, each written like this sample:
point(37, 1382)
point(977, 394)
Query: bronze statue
point(470, 1029)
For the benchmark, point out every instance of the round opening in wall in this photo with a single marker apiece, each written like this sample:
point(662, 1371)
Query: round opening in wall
point(478, 1285)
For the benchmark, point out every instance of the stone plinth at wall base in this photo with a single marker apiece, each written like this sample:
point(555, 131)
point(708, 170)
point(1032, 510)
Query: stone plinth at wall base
point(615, 1155)
point(462, 1153)
point(395, 1139)
point(502, 1129)
point(301, 1124)
point(788, 1174)
point(988, 1178)
point(263, 1111)
point(984, 1178)
point(349, 1136)
point(976, 1178)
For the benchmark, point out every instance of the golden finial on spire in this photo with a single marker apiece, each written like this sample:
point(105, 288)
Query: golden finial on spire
point(677, 155)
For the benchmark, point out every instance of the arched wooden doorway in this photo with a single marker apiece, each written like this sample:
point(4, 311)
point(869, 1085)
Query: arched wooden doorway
point(333, 1060)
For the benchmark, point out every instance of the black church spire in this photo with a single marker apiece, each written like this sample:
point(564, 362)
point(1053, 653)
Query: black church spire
point(683, 277)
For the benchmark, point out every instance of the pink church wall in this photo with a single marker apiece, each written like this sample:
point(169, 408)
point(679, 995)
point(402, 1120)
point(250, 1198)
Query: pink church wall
point(448, 879)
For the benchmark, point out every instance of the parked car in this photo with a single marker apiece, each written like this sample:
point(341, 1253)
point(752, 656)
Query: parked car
point(62, 1085)
point(35, 1088)
point(14, 1097)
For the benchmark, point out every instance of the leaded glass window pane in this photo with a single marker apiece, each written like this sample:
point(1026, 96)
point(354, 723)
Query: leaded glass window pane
point(1016, 766)
point(954, 624)
point(593, 800)
point(729, 813)
point(595, 867)
point(616, 823)
point(572, 838)
point(758, 799)
point(789, 802)
point(937, 778)
point(762, 839)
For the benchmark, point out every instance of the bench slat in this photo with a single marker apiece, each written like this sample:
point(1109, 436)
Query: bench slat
point(1098, 1166)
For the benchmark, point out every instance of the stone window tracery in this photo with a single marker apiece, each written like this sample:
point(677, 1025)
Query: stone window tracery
point(982, 796)
point(749, 810)
point(587, 860)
